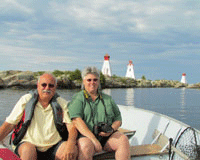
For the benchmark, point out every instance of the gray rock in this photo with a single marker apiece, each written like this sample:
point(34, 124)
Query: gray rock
point(28, 79)
point(194, 86)
point(20, 79)
point(2, 85)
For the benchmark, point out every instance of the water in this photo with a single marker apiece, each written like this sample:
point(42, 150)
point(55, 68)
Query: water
point(181, 104)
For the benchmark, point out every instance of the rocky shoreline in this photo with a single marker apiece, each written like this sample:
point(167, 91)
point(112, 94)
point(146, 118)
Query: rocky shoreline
point(28, 80)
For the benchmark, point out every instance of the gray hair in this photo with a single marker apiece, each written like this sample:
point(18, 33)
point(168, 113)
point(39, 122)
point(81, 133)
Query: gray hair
point(90, 70)
point(48, 74)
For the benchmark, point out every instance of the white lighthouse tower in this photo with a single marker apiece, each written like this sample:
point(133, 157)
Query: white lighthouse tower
point(183, 79)
point(106, 70)
point(130, 70)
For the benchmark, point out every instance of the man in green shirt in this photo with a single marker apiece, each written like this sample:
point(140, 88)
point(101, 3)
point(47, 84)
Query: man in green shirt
point(97, 118)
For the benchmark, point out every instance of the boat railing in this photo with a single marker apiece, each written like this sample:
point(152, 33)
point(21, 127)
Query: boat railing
point(164, 139)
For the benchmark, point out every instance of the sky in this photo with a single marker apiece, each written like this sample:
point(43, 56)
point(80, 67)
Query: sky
point(161, 37)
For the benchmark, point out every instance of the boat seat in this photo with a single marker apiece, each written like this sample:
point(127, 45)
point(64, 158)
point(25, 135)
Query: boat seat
point(111, 155)
point(128, 133)
point(140, 150)
point(146, 149)
point(156, 148)
point(136, 151)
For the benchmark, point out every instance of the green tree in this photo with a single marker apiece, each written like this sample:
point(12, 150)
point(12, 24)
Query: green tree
point(114, 76)
point(57, 73)
point(76, 75)
point(143, 77)
point(39, 73)
point(102, 80)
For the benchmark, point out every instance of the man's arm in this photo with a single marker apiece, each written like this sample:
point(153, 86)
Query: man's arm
point(5, 129)
point(84, 130)
point(115, 126)
point(72, 133)
point(71, 151)
point(68, 149)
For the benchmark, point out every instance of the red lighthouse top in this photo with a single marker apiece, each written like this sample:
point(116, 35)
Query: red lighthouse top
point(184, 74)
point(130, 62)
point(106, 57)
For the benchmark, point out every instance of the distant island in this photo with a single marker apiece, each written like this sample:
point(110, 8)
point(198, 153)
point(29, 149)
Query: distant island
point(72, 80)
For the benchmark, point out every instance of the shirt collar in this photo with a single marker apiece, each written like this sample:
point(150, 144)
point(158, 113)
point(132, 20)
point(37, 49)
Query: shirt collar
point(87, 95)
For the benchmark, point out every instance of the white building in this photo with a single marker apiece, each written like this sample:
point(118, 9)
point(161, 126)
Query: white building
point(130, 70)
point(183, 79)
point(106, 70)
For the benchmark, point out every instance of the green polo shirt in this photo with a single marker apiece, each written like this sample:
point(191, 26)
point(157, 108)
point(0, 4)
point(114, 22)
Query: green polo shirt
point(93, 112)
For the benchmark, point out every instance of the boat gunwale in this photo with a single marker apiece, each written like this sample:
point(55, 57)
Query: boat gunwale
point(159, 115)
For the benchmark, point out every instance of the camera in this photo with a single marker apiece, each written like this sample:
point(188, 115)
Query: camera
point(102, 127)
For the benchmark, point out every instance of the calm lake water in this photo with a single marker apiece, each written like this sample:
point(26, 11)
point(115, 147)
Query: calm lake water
point(181, 104)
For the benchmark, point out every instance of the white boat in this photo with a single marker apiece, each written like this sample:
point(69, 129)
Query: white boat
point(153, 132)
point(150, 134)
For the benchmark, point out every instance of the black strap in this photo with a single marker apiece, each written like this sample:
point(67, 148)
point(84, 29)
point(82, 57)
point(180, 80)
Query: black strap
point(29, 115)
point(58, 120)
point(86, 98)
point(101, 98)
point(104, 106)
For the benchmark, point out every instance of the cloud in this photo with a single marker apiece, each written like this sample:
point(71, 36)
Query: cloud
point(143, 16)
point(12, 10)
point(18, 6)
point(71, 34)
point(42, 37)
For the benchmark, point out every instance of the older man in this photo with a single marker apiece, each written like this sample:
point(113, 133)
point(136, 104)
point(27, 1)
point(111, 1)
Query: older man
point(47, 131)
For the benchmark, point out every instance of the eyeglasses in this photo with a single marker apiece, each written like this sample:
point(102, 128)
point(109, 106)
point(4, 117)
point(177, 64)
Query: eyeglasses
point(45, 85)
point(94, 80)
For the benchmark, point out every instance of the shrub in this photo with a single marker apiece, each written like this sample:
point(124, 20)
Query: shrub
point(115, 76)
point(74, 75)
point(39, 73)
point(143, 77)
point(57, 73)
point(102, 80)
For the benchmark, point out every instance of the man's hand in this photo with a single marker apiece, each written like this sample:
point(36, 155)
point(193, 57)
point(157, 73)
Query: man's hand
point(103, 134)
point(67, 151)
point(5, 129)
point(97, 145)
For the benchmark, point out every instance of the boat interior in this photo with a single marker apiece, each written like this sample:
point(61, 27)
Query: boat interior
point(151, 135)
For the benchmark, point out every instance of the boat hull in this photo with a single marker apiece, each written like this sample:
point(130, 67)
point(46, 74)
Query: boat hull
point(145, 123)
